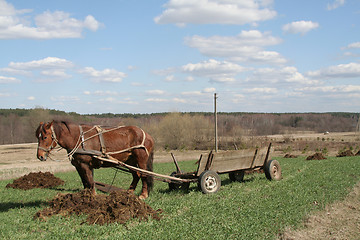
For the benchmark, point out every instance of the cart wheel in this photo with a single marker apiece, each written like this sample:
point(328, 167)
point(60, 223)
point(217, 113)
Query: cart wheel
point(272, 170)
point(209, 182)
point(178, 186)
point(237, 176)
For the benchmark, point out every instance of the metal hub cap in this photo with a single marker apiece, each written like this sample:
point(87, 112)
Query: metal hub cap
point(210, 183)
point(274, 170)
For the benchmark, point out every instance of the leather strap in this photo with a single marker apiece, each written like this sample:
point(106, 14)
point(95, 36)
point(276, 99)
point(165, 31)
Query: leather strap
point(101, 138)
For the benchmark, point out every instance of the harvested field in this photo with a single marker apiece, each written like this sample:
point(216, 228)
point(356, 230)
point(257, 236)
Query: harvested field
point(119, 206)
point(36, 180)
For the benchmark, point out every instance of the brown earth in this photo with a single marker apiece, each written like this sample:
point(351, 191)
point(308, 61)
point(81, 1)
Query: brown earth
point(119, 206)
point(36, 180)
point(347, 153)
point(316, 156)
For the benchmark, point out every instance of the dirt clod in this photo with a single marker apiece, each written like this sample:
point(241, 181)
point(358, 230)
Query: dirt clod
point(119, 206)
point(347, 153)
point(316, 156)
point(288, 155)
point(36, 180)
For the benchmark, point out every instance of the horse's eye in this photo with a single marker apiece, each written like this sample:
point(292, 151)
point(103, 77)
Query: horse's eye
point(45, 137)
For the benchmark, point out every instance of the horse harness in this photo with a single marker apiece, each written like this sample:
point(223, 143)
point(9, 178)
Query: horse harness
point(103, 152)
point(81, 143)
point(53, 137)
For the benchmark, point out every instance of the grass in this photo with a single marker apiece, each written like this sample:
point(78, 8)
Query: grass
point(254, 209)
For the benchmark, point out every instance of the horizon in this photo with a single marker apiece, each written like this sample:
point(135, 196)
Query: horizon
point(184, 112)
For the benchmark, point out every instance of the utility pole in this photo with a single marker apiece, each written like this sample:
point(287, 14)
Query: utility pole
point(215, 116)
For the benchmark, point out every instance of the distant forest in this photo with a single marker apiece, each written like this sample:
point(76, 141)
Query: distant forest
point(193, 130)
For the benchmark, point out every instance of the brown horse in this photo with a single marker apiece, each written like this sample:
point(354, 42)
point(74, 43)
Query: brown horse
point(83, 142)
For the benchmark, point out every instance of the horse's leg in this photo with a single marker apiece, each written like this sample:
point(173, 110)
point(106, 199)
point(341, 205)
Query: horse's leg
point(141, 157)
point(80, 171)
point(86, 175)
point(134, 182)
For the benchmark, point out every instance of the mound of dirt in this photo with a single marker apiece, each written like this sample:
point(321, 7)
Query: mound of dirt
point(289, 156)
point(316, 156)
point(36, 180)
point(119, 206)
point(347, 153)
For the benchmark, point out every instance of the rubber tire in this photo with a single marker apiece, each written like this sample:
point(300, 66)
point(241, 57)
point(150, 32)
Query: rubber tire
point(237, 176)
point(209, 182)
point(272, 170)
point(178, 186)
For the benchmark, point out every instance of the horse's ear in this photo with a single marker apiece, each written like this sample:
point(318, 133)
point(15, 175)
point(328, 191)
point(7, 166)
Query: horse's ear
point(41, 123)
point(50, 124)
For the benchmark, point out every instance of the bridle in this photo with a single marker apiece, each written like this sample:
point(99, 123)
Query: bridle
point(54, 140)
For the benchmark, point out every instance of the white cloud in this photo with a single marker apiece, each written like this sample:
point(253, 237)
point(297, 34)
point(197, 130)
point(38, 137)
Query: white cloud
point(47, 25)
point(192, 93)
point(46, 63)
point(182, 12)
point(205, 91)
point(280, 75)
point(215, 70)
point(156, 92)
point(247, 46)
point(64, 98)
point(301, 27)
point(266, 90)
point(209, 90)
point(335, 4)
point(31, 98)
point(349, 70)
point(179, 100)
point(157, 100)
point(9, 80)
point(106, 75)
point(55, 73)
point(101, 93)
point(333, 89)
point(353, 45)
point(5, 94)
point(48, 69)
point(170, 78)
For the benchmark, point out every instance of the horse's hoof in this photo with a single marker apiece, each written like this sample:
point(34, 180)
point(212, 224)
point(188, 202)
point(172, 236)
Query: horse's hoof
point(142, 197)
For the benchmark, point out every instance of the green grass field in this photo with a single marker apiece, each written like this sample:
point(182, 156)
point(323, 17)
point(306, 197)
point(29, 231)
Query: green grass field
point(254, 209)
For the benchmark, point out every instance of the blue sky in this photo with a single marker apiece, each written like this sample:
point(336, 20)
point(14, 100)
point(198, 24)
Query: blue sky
point(160, 56)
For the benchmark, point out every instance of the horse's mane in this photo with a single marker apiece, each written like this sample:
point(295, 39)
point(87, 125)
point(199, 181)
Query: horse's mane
point(57, 125)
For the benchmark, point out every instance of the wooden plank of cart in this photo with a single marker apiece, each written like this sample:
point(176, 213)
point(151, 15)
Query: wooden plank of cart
point(234, 163)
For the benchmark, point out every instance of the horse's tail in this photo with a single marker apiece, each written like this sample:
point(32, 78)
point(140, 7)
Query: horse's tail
point(149, 167)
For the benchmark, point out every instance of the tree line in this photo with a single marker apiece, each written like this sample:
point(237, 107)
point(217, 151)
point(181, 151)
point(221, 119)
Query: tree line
point(193, 130)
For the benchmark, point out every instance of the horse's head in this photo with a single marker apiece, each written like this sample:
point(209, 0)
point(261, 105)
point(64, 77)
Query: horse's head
point(46, 140)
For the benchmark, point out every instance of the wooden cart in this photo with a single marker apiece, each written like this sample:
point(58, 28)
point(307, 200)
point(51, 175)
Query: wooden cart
point(234, 163)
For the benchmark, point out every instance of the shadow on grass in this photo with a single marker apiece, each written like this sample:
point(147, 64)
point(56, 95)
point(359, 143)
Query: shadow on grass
point(6, 206)
point(195, 187)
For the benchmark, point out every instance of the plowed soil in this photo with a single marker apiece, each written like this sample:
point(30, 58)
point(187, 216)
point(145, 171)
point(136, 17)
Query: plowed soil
point(36, 180)
point(119, 206)
point(316, 156)
point(347, 153)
